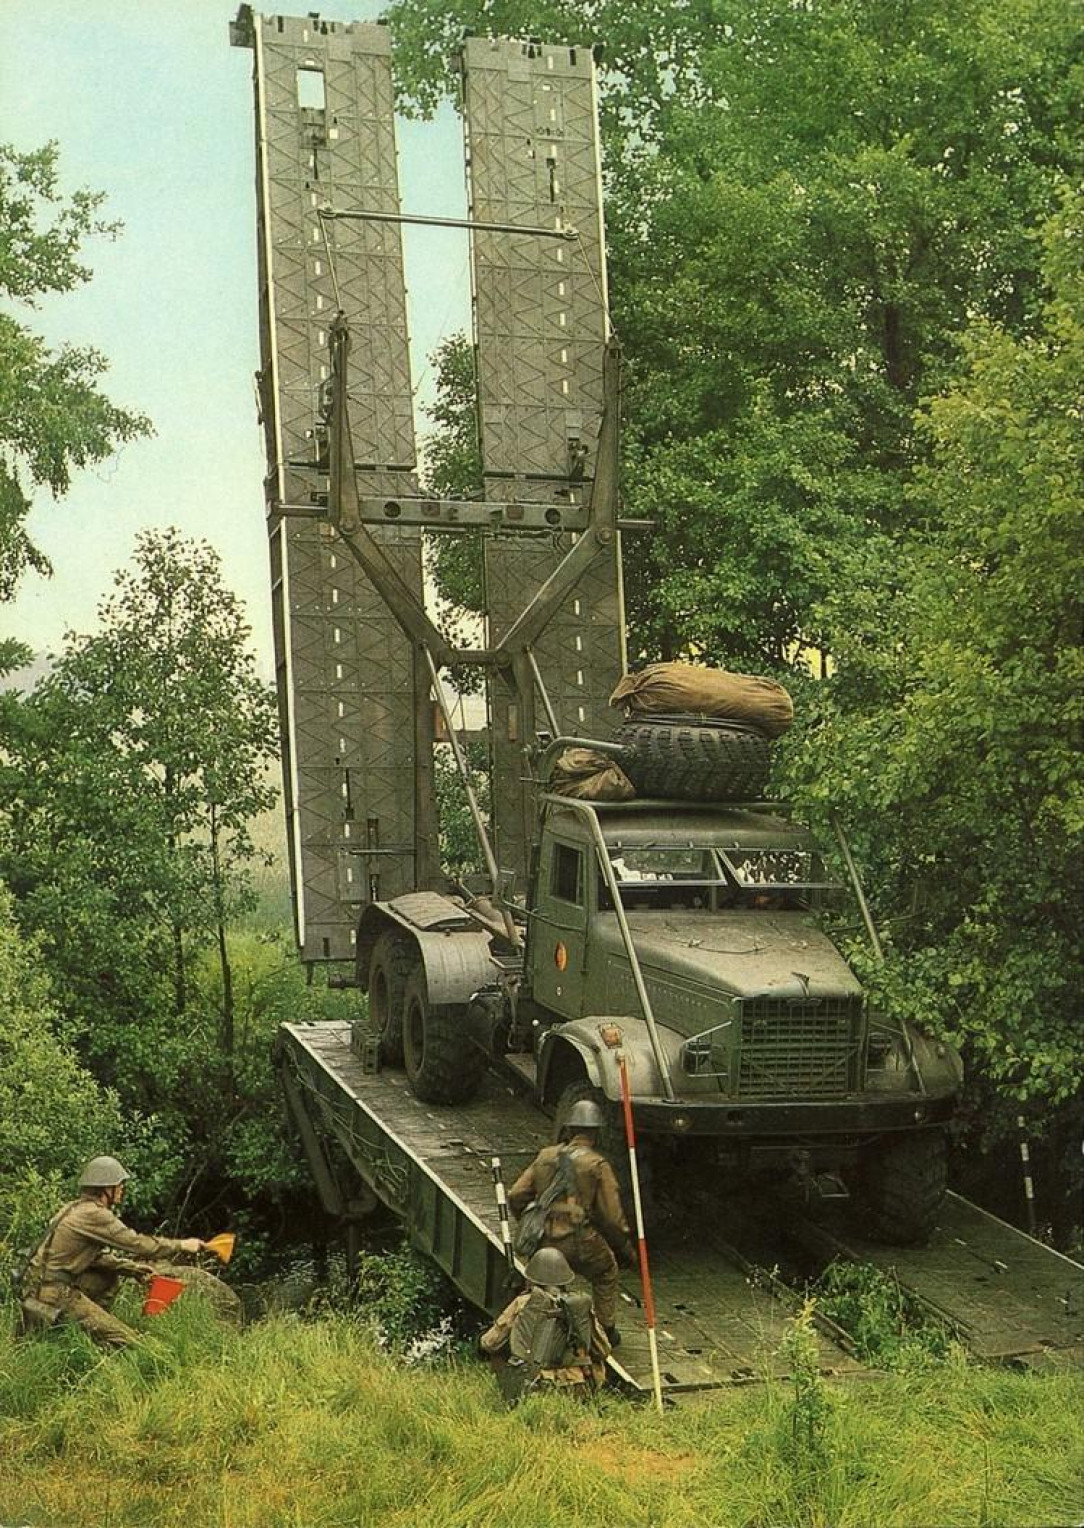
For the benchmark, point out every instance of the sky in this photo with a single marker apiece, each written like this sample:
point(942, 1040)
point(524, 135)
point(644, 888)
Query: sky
point(151, 105)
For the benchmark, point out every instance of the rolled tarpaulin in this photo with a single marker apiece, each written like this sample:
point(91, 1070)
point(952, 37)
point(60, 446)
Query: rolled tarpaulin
point(696, 690)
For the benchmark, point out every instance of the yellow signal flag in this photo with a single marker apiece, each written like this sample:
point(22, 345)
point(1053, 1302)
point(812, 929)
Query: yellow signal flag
point(222, 1245)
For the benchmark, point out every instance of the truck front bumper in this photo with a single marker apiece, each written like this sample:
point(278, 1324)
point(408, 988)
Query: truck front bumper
point(868, 1115)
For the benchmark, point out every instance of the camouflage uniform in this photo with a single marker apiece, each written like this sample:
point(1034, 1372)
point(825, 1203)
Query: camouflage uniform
point(586, 1227)
point(76, 1270)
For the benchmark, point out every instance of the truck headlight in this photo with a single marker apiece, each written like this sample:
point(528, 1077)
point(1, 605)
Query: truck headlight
point(888, 1068)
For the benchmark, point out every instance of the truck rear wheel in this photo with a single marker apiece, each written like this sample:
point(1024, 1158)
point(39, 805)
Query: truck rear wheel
point(442, 1065)
point(902, 1186)
point(389, 967)
point(682, 758)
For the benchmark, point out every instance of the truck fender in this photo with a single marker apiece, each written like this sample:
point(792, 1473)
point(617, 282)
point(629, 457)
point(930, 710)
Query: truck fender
point(374, 921)
point(456, 964)
point(599, 1060)
point(453, 950)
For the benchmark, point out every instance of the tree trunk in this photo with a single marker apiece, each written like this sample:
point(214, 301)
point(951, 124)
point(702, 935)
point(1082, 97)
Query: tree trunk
point(180, 975)
point(228, 1011)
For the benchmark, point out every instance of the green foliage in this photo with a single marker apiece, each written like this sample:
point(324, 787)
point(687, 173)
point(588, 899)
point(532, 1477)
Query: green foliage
point(53, 1115)
point(132, 773)
point(889, 1328)
point(453, 469)
point(460, 853)
point(806, 1424)
point(243, 1165)
point(211, 1425)
point(53, 416)
point(404, 1295)
point(806, 206)
point(959, 760)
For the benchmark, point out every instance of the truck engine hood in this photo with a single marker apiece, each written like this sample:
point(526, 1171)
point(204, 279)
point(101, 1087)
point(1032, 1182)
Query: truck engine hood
point(742, 954)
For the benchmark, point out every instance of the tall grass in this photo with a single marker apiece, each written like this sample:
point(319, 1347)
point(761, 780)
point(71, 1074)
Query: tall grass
point(296, 1424)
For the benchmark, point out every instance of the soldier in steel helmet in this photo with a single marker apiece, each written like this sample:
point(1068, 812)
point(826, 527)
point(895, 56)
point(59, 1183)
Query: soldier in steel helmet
point(586, 1222)
point(547, 1335)
point(75, 1271)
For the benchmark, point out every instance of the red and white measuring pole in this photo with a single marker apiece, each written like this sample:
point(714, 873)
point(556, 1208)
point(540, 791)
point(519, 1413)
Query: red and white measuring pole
point(641, 1240)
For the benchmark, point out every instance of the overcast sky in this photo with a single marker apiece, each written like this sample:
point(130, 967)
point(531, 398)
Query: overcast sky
point(151, 105)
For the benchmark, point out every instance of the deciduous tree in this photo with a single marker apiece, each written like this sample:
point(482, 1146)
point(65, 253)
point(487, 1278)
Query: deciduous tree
point(54, 418)
point(135, 770)
point(963, 764)
point(806, 205)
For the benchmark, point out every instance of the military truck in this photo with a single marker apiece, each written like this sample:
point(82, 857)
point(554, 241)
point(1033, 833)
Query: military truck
point(683, 934)
point(688, 935)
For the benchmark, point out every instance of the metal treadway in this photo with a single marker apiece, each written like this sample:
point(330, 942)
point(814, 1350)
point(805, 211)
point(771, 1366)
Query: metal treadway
point(1009, 1297)
point(432, 1166)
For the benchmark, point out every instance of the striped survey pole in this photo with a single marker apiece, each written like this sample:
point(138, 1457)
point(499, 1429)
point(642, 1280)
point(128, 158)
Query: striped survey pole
point(1025, 1167)
point(502, 1214)
point(641, 1241)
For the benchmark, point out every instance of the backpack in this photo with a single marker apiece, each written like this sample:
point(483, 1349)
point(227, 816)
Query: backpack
point(552, 1331)
point(531, 1226)
point(552, 1327)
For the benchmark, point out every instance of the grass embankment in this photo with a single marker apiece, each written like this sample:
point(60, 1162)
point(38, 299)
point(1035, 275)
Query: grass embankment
point(308, 1424)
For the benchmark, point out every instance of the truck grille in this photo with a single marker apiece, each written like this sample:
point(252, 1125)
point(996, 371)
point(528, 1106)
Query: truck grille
point(800, 1049)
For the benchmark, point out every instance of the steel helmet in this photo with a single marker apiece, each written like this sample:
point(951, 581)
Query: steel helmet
point(585, 1114)
point(549, 1266)
point(103, 1172)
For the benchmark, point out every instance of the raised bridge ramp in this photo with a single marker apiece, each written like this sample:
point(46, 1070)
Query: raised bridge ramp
point(431, 1166)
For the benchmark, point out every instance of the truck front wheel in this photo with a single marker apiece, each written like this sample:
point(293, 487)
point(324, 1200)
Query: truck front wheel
point(442, 1065)
point(902, 1185)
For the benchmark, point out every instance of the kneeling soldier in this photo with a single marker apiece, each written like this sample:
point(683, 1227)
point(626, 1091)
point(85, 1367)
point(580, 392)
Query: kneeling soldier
point(75, 1271)
point(547, 1335)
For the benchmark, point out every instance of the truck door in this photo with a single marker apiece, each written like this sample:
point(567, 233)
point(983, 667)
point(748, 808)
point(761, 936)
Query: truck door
point(559, 928)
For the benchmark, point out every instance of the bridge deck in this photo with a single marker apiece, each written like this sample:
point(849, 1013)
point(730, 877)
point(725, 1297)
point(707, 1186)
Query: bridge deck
point(1009, 1296)
point(432, 1167)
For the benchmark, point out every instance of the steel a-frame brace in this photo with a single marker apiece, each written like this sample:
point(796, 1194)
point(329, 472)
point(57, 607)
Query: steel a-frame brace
point(344, 513)
point(512, 652)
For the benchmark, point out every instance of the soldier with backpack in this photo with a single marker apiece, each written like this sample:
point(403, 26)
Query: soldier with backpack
point(568, 1198)
point(547, 1335)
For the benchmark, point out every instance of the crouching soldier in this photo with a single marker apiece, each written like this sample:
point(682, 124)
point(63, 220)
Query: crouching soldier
point(547, 1336)
point(75, 1271)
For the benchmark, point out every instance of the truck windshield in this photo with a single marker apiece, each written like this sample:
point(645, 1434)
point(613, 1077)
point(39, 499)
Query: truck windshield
point(665, 865)
point(712, 878)
point(771, 869)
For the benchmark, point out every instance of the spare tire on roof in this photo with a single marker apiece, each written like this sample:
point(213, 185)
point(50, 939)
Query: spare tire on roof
point(683, 758)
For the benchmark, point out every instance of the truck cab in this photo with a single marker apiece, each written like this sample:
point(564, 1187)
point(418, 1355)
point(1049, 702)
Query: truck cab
point(756, 1031)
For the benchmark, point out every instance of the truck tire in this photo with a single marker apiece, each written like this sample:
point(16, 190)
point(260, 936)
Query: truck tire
point(613, 1146)
point(902, 1186)
point(442, 1065)
point(389, 967)
point(685, 758)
